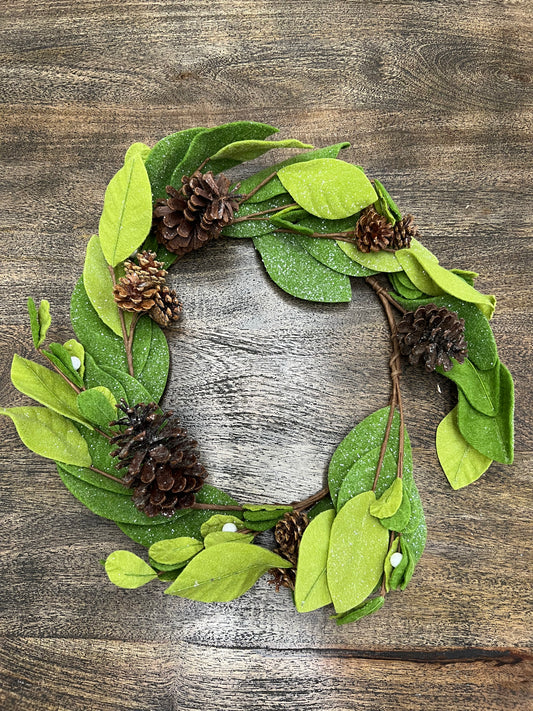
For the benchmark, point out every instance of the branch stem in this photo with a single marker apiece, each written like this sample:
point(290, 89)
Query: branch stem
point(109, 476)
point(256, 215)
point(125, 337)
point(381, 292)
point(258, 187)
point(337, 236)
point(54, 366)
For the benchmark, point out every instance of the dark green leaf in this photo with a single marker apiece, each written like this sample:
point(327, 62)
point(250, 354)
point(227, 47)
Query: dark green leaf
point(367, 608)
point(480, 387)
point(254, 228)
point(94, 376)
point(165, 156)
point(91, 477)
point(384, 197)
point(241, 151)
point(324, 505)
point(34, 321)
point(151, 360)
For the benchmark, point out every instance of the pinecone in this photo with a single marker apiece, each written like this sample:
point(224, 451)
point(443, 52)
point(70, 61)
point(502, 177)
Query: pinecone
point(288, 534)
point(135, 291)
point(194, 215)
point(373, 232)
point(163, 468)
point(434, 334)
point(404, 231)
point(167, 307)
point(147, 267)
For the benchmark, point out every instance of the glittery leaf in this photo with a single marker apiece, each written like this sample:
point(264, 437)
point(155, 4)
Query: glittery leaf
point(165, 156)
point(367, 608)
point(480, 387)
point(311, 587)
point(249, 150)
point(389, 501)
point(98, 405)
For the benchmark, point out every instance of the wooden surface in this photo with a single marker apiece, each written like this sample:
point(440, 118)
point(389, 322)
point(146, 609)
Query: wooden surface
point(436, 100)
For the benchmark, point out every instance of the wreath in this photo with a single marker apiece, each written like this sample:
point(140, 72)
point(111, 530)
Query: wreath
point(316, 221)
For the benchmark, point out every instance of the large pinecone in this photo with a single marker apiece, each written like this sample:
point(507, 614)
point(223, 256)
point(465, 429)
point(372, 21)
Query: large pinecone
point(288, 534)
point(196, 214)
point(373, 232)
point(404, 230)
point(434, 334)
point(163, 468)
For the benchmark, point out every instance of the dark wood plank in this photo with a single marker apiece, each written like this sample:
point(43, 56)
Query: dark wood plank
point(436, 100)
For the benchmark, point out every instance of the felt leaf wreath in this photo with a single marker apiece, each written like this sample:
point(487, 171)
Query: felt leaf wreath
point(316, 221)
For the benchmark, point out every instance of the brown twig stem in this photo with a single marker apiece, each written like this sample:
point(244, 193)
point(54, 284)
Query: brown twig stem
point(307, 503)
point(54, 366)
point(109, 476)
point(256, 215)
point(297, 506)
point(125, 338)
point(380, 291)
point(258, 187)
point(216, 507)
point(337, 236)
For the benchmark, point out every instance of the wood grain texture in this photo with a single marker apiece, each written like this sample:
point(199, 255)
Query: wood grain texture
point(436, 99)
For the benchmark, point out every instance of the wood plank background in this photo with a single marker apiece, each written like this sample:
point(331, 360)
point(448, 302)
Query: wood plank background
point(436, 100)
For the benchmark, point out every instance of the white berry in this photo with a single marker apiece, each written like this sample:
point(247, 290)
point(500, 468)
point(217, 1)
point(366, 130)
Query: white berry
point(76, 362)
point(396, 559)
point(229, 527)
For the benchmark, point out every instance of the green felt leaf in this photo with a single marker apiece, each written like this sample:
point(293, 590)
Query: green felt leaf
point(99, 449)
point(263, 525)
point(378, 261)
point(402, 574)
point(274, 186)
point(127, 214)
point(216, 522)
point(328, 187)
point(325, 504)
point(264, 512)
point(91, 477)
point(399, 285)
point(366, 436)
point(127, 570)
point(254, 228)
point(95, 376)
point(399, 520)
point(45, 320)
point(151, 358)
point(224, 572)
point(209, 142)
point(445, 280)
point(293, 269)
point(249, 150)
point(107, 504)
point(165, 156)
point(386, 204)
point(99, 287)
point(367, 608)
point(387, 568)
point(137, 149)
point(189, 524)
point(389, 502)
point(482, 349)
point(76, 349)
point(415, 533)
point(311, 588)
point(34, 322)
point(218, 537)
point(357, 550)
point(46, 387)
point(282, 224)
point(480, 387)
point(492, 436)
point(173, 551)
point(61, 358)
point(135, 392)
point(98, 405)
point(49, 434)
point(461, 463)
point(361, 475)
point(466, 274)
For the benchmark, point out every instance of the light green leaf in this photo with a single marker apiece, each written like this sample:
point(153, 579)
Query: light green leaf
point(408, 291)
point(274, 186)
point(480, 387)
point(377, 261)
point(262, 525)
point(165, 156)
point(127, 570)
point(492, 436)
point(367, 608)
point(34, 321)
point(328, 187)
point(99, 287)
point(264, 512)
point(385, 204)
point(417, 273)
point(311, 587)
point(389, 502)
point(76, 349)
point(249, 150)
point(173, 551)
point(295, 271)
point(224, 572)
point(127, 214)
point(461, 463)
point(49, 434)
point(399, 520)
point(402, 574)
point(387, 568)
point(98, 405)
point(47, 387)
point(61, 358)
point(357, 550)
point(466, 274)
point(45, 320)
point(218, 537)
point(137, 149)
point(215, 523)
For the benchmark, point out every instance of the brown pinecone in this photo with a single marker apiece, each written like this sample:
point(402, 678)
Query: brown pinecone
point(163, 468)
point(135, 292)
point(147, 267)
point(194, 215)
point(434, 334)
point(373, 232)
point(404, 230)
point(288, 534)
point(167, 307)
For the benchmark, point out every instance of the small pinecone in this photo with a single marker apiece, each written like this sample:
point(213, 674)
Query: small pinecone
point(163, 468)
point(135, 292)
point(404, 231)
point(194, 215)
point(167, 307)
point(373, 232)
point(148, 268)
point(434, 334)
point(288, 534)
